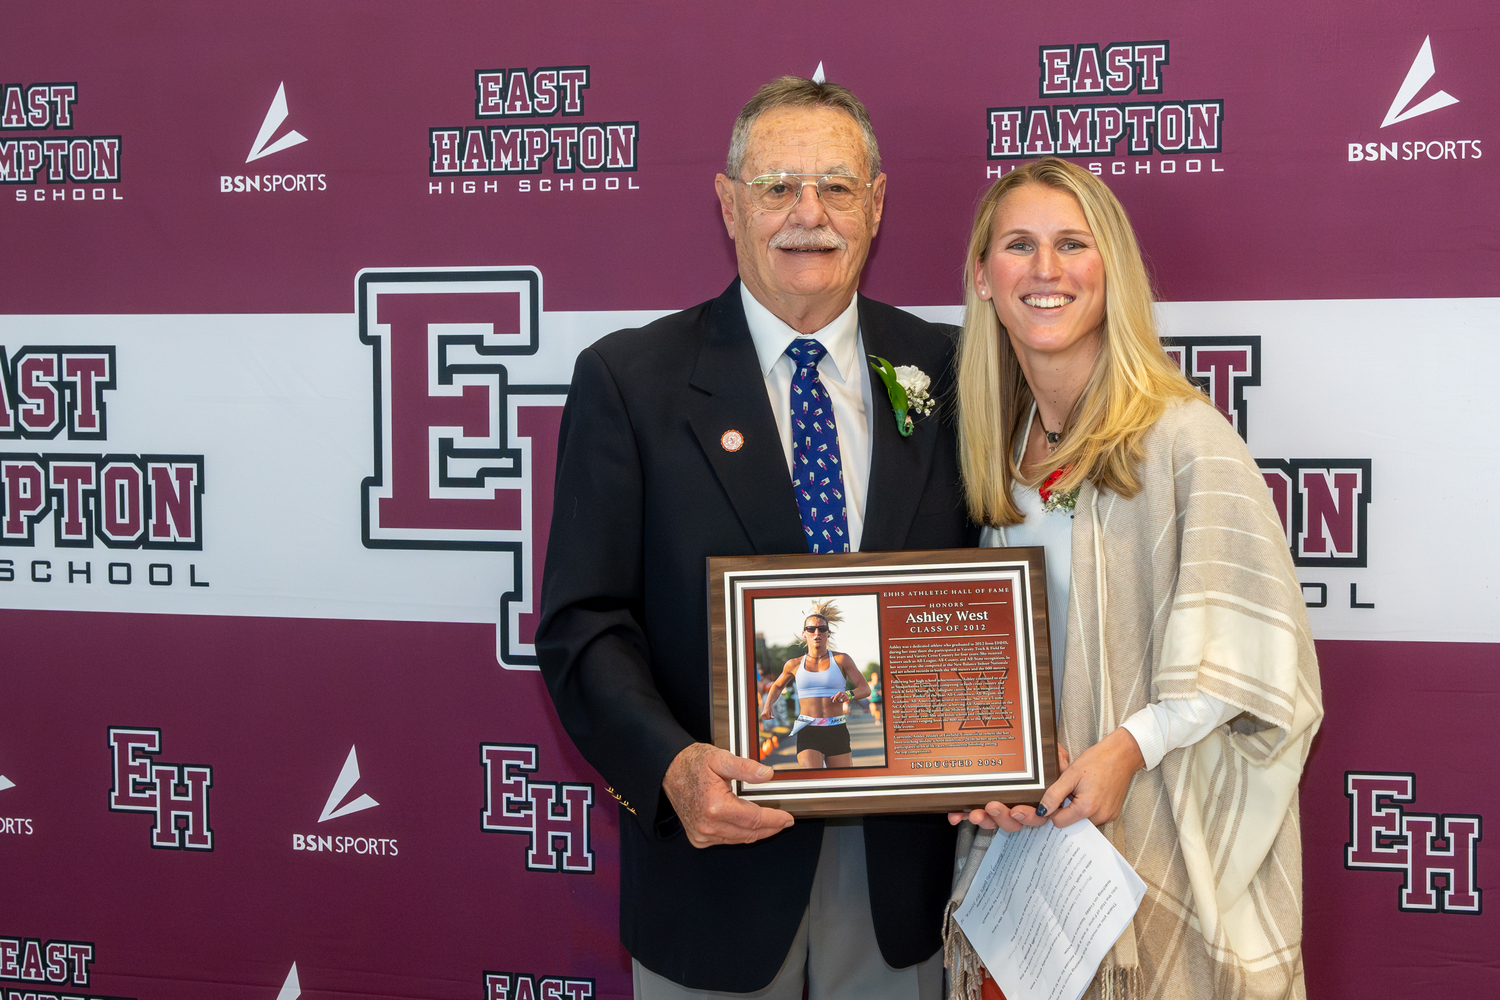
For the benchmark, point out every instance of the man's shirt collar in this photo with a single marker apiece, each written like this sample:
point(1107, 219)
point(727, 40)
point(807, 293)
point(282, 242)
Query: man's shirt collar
point(772, 336)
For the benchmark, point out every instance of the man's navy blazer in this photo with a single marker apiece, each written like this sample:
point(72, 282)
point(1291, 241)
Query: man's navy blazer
point(645, 493)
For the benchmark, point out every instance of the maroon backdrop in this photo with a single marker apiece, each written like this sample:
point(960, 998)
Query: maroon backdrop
point(218, 614)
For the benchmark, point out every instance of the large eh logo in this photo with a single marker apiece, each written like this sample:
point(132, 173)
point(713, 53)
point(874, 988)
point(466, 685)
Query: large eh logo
point(465, 425)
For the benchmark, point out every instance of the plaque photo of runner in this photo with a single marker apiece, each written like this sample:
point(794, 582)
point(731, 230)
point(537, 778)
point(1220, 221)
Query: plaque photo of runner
point(817, 661)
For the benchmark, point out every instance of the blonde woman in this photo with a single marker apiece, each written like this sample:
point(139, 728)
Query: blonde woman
point(1183, 664)
point(822, 679)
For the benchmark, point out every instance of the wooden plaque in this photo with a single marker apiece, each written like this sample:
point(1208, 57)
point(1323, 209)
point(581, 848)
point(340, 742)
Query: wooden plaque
point(957, 640)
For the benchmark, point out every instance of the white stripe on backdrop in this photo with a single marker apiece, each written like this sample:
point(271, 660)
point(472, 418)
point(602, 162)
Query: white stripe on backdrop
point(281, 408)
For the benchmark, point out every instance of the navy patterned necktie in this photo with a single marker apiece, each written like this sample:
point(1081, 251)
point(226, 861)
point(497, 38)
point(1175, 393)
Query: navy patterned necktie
point(817, 474)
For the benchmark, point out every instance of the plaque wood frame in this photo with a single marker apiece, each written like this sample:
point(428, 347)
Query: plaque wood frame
point(938, 772)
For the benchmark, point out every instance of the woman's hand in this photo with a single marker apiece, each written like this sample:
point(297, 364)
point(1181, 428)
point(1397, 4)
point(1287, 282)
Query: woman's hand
point(993, 815)
point(1097, 782)
point(765, 713)
point(1004, 817)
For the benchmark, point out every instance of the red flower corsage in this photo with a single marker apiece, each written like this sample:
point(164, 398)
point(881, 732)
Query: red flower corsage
point(1053, 500)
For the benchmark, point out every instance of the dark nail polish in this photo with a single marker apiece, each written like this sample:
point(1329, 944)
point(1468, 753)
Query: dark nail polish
point(1041, 810)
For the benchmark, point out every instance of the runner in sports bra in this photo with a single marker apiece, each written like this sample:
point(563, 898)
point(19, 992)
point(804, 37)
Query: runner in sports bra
point(822, 679)
point(824, 683)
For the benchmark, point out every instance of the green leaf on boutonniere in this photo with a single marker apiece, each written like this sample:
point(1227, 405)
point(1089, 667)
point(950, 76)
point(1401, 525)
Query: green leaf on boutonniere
point(896, 391)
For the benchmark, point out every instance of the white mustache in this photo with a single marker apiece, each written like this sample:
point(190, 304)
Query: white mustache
point(821, 238)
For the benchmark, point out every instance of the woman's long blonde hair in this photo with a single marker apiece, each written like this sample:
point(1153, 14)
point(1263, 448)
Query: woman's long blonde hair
point(1132, 382)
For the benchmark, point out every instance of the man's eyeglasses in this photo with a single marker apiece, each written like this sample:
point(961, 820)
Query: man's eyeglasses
point(816, 628)
point(779, 192)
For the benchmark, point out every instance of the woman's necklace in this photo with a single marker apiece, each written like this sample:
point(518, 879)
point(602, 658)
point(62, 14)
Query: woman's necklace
point(1053, 437)
point(1051, 499)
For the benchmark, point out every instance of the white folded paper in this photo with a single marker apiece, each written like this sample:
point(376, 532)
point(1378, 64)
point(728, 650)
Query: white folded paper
point(1045, 907)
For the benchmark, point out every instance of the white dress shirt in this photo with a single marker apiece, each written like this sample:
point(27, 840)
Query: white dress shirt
point(1160, 726)
point(846, 378)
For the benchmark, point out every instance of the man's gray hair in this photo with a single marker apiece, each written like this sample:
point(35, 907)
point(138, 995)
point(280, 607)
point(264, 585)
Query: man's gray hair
point(798, 92)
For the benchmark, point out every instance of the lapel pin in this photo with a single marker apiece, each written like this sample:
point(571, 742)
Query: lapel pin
point(731, 440)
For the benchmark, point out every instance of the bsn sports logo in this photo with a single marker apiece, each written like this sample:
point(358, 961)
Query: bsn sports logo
point(123, 501)
point(524, 986)
point(66, 163)
point(291, 986)
point(348, 778)
point(1107, 75)
point(337, 807)
point(14, 824)
point(589, 156)
point(1402, 109)
point(177, 794)
point(554, 815)
point(465, 425)
point(1436, 852)
point(276, 114)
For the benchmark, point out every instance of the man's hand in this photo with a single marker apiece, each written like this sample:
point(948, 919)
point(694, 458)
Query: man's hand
point(1097, 782)
point(697, 783)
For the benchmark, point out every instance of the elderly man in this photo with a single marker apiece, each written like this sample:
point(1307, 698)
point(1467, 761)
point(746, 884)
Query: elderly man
point(677, 443)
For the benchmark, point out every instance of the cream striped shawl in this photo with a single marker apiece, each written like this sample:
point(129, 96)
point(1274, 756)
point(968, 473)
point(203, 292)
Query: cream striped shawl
point(1190, 586)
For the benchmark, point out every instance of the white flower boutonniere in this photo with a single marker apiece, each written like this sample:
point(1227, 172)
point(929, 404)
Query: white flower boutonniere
point(908, 388)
